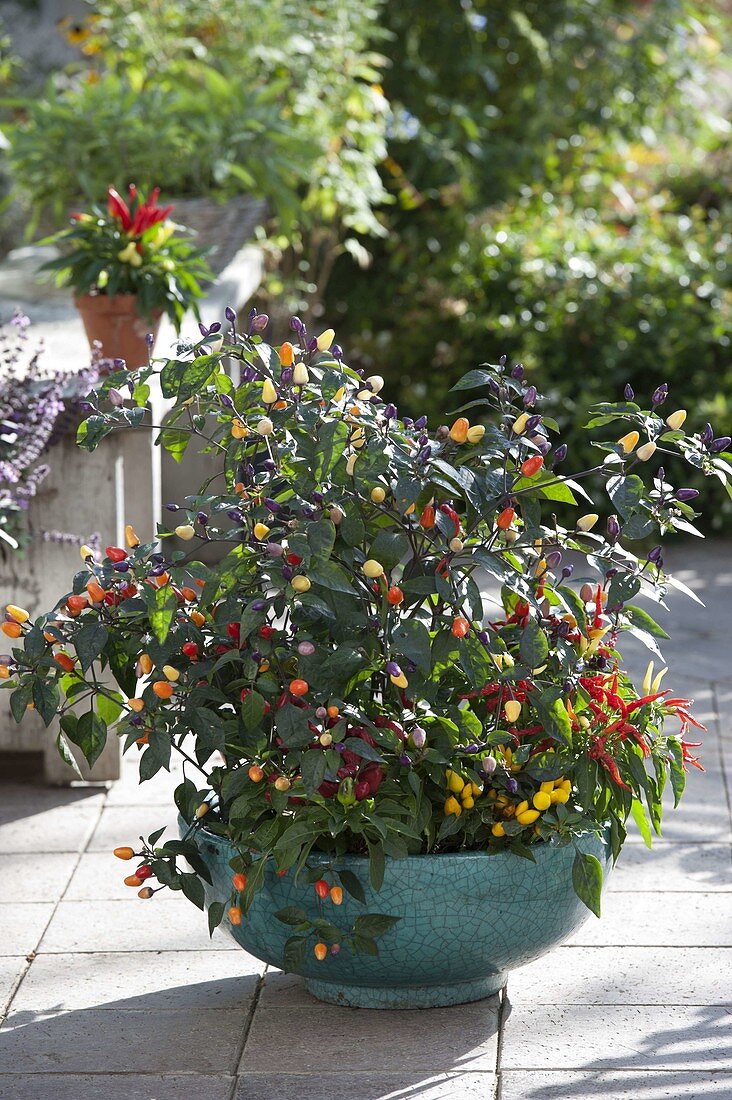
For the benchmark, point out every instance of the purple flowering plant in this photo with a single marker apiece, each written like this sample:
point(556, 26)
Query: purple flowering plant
point(412, 639)
point(32, 399)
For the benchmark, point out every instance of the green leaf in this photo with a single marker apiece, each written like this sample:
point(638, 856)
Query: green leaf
point(411, 639)
point(352, 884)
point(90, 642)
point(109, 709)
point(639, 816)
point(587, 880)
point(389, 547)
point(553, 716)
point(252, 710)
point(292, 726)
point(321, 538)
point(374, 924)
point(534, 647)
point(294, 952)
point(163, 609)
point(329, 575)
point(376, 865)
point(89, 732)
point(313, 768)
point(215, 916)
point(46, 700)
point(192, 887)
point(352, 529)
point(292, 914)
point(66, 754)
point(626, 493)
point(20, 699)
point(643, 621)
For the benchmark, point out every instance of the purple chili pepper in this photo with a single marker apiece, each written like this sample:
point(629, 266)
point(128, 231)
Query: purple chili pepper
point(271, 505)
point(259, 605)
point(533, 422)
point(150, 339)
point(483, 637)
point(259, 323)
point(287, 573)
point(502, 360)
point(269, 464)
point(660, 394)
point(654, 555)
point(686, 494)
point(420, 422)
point(561, 453)
point(405, 761)
point(544, 447)
point(230, 315)
point(122, 566)
point(312, 344)
point(393, 668)
point(234, 514)
point(554, 559)
point(720, 444)
point(628, 392)
point(567, 571)
point(530, 396)
point(708, 434)
point(286, 375)
point(226, 401)
point(390, 412)
point(419, 737)
point(173, 507)
point(613, 529)
point(337, 351)
point(202, 518)
point(296, 325)
point(517, 371)
point(408, 422)
point(511, 785)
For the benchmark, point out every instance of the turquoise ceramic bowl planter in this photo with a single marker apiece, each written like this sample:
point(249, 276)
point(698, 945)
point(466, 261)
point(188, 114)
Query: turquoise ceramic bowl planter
point(466, 919)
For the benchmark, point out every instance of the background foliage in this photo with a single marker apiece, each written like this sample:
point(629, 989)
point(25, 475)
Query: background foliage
point(547, 179)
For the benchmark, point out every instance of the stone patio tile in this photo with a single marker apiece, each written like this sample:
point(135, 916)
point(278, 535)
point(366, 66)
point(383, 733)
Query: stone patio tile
point(618, 1085)
point(626, 975)
point(10, 971)
point(122, 825)
point(32, 798)
point(132, 925)
point(647, 919)
point(100, 876)
point(128, 791)
point(285, 991)
point(366, 1086)
point(362, 1040)
point(35, 876)
point(115, 981)
point(635, 1037)
point(702, 813)
point(60, 829)
point(22, 925)
point(62, 1086)
point(671, 867)
point(200, 1041)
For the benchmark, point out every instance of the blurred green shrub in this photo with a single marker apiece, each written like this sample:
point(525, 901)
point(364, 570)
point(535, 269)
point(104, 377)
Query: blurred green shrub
point(277, 99)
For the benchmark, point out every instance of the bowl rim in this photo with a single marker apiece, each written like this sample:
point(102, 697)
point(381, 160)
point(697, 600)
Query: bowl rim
point(552, 845)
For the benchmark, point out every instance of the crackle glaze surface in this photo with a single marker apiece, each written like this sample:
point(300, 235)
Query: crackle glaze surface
point(466, 919)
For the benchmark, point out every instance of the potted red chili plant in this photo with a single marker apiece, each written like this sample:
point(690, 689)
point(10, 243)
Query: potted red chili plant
point(129, 264)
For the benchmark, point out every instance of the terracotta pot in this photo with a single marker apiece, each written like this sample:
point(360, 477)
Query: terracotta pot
point(115, 323)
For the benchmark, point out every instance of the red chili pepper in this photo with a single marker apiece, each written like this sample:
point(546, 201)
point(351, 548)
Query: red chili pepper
point(115, 553)
point(532, 465)
point(597, 621)
point(118, 208)
point(448, 511)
